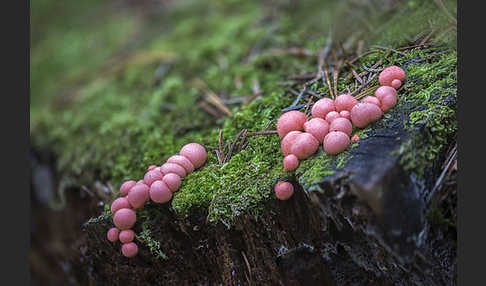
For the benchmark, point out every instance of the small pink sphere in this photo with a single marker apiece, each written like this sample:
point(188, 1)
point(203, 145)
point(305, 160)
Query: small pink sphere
point(173, 181)
point(341, 124)
point(389, 74)
point(126, 236)
point(140, 182)
point(183, 161)
point(152, 176)
point(363, 114)
point(336, 142)
point(129, 249)
point(290, 162)
point(396, 83)
point(151, 167)
point(345, 114)
point(194, 152)
point(160, 192)
point(372, 100)
point(124, 219)
point(355, 138)
point(138, 196)
point(388, 102)
point(290, 121)
point(125, 187)
point(331, 116)
point(120, 203)
point(113, 234)
point(284, 190)
point(382, 91)
point(305, 145)
point(318, 127)
point(322, 107)
point(168, 168)
point(288, 141)
point(345, 102)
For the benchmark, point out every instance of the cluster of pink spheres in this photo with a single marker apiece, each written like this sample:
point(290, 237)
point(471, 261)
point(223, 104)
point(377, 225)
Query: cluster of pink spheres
point(158, 185)
point(332, 124)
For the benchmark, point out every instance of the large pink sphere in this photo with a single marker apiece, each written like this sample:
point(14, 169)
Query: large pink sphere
point(322, 107)
point(345, 102)
point(120, 203)
point(388, 102)
point(318, 127)
point(382, 91)
point(124, 219)
point(196, 153)
point(126, 186)
point(113, 234)
point(152, 176)
point(290, 162)
point(305, 145)
point(331, 116)
point(129, 249)
point(288, 141)
point(372, 99)
point(126, 236)
point(173, 181)
point(341, 124)
point(168, 168)
point(284, 190)
point(389, 74)
point(182, 161)
point(160, 192)
point(290, 121)
point(138, 196)
point(363, 114)
point(336, 142)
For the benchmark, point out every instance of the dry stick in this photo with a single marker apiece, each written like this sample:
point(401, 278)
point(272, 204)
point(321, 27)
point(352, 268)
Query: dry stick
point(209, 109)
point(328, 82)
point(212, 97)
point(441, 177)
point(356, 76)
point(441, 4)
point(389, 49)
point(308, 103)
point(242, 145)
point(268, 125)
point(218, 156)
point(253, 96)
point(266, 132)
point(371, 89)
point(335, 75)
point(228, 156)
point(220, 144)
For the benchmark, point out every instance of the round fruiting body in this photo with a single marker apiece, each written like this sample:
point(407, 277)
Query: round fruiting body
point(151, 167)
point(160, 192)
point(322, 107)
point(363, 114)
point(182, 161)
point(341, 124)
point(355, 138)
point(288, 141)
point(138, 196)
point(124, 219)
point(396, 83)
point(345, 101)
point(318, 127)
point(173, 181)
point(290, 162)
point(152, 176)
point(284, 190)
point(126, 236)
point(120, 203)
point(304, 146)
point(345, 114)
point(126, 186)
point(195, 153)
point(129, 249)
point(383, 91)
point(290, 121)
point(372, 100)
point(389, 74)
point(168, 168)
point(113, 234)
point(336, 142)
point(388, 102)
point(331, 116)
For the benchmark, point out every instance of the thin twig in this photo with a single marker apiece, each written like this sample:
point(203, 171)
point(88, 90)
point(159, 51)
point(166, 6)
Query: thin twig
point(294, 107)
point(441, 4)
point(438, 183)
point(308, 104)
point(335, 75)
point(266, 132)
point(212, 97)
point(328, 82)
point(356, 76)
point(389, 49)
point(230, 152)
point(220, 144)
